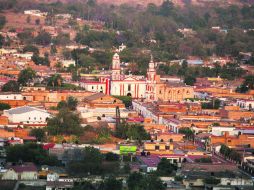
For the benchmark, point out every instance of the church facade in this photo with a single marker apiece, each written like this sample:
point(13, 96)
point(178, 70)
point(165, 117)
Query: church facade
point(149, 88)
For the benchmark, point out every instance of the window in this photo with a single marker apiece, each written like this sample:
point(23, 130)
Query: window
point(40, 118)
point(129, 87)
point(92, 87)
point(160, 92)
point(157, 147)
point(101, 87)
point(229, 141)
point(167, 147)
point(14, 97)
point(29, 118)
point(34, 118)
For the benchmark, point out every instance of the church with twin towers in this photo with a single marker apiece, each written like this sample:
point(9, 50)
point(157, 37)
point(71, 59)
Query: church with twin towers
point(149, 88)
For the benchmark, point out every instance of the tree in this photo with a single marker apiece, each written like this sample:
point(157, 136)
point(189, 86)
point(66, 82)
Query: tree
point(2, 21)
point(134, 132)
point(2, 41)
point(204, 160)
point(111, 183)
point(127, 100)
point(37, 21)
point(55, 80)
point(70, 104)
point(213, 104)
point(28, 19)
point(30, 152)
point(64, 123)
point(211, 181)
point(11, 86)
point(26, 76)
point(138, 181)
point(90, 164)
point(38, 133)
point(165, 168)
point(4, 106)
point(189, 80)
point(189, 134)
point(31, 48)
point(40, 60)
point(111, 156)
point(62, 105)
point(43, 38)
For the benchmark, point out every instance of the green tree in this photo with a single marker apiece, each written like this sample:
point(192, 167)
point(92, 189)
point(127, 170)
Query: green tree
point(43, 38)
point(165, 167)
point(127, 100)
point(2, 21)
point(139, 181)
point(30, 48)
point(38, 133)
point(30, 152)
point(71, 104)
point(211, 181)
point(55, 80)
point(189, 80)
point(11, 86)
point(26, 76)
point(4, 106)
point(62, 105)
point(189, 134)
point(111, 156)
point(137, 132)
point(111, 183)
point(64, 123)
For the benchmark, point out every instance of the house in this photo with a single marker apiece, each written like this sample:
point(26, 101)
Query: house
point(245, 104)
point(149, 163)
point(27, 115)
point(54, 182)
point(234, 141)
point(25, 171)
point(67, 63)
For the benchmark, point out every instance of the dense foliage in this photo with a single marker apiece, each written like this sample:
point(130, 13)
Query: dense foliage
point(93, 163)
point(139, 181)
point(30, 153)
point(133, 132)
point(11, 86)
point(64, 123)
point(4, 106)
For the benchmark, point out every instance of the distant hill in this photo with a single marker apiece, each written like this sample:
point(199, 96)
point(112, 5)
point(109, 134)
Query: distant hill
point(157, 2)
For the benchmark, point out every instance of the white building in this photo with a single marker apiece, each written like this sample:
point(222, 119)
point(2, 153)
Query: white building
point(219, 131)
point(150, 88)
point(11, 96)
point(35, 13)
point(67, 63)
point(27, 115)
point(27, 55)
point(245, 104)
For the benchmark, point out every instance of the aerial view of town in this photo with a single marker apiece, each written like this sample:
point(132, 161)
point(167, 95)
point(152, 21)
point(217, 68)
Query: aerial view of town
point(126, 94)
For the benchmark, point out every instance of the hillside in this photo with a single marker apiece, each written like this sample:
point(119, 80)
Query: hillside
point(158, 2)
